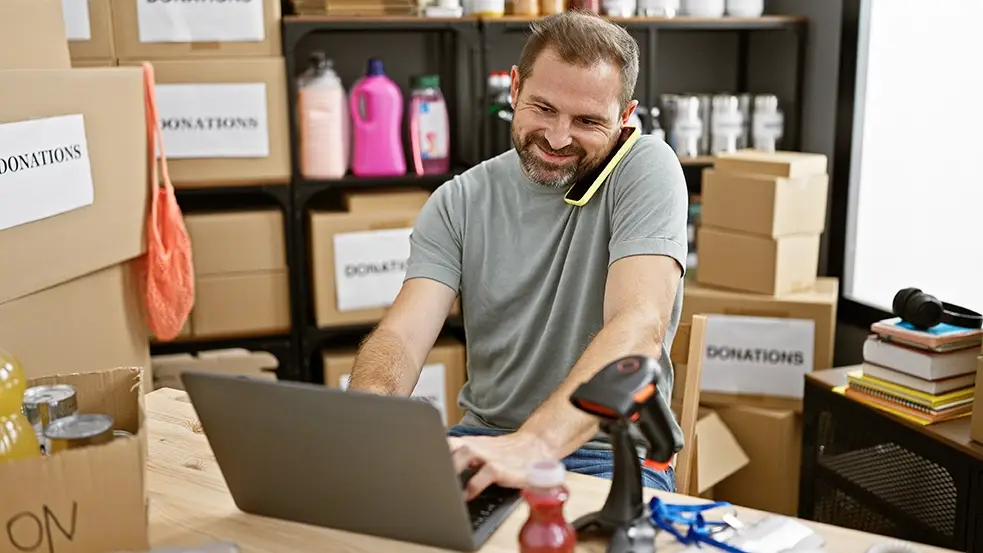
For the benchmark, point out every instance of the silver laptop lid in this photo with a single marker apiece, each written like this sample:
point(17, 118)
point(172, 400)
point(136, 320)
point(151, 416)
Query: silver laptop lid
point(344, 460)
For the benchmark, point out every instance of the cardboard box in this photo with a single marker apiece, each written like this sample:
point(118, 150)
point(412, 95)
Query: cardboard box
point(751, 263)
point(371, 263)
point(89, 29)
point(147, 30)
point(32, 35)
point(88, 323)
point(976, 426)
point(224, 121)
point(718, 454)
point(62, 220)
point(81, 64)
point(817, 306)
point(89, 500)
point(441, 378)
point(241, 276)
point(772, 440)
point(385, 200)
point(764, 205)
point(233, 362)
point(792, 165)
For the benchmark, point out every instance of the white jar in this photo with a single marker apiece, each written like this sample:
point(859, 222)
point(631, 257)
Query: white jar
point(704, 8)
point(745, 8)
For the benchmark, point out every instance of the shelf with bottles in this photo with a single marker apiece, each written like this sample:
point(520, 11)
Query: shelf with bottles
point(679, 23)
point(372, 135)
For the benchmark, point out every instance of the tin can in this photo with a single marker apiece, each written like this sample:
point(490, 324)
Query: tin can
point(46, 404)
point(78, 431)
point(121, 434)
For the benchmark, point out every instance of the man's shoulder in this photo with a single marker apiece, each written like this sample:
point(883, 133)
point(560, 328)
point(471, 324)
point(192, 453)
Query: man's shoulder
point(651, 164)
point(476, 183)
point(650, 155)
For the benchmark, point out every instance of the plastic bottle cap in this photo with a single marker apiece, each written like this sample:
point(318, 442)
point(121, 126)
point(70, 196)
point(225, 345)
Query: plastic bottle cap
point(375, 67)
point(546, 474)
point(426, 81)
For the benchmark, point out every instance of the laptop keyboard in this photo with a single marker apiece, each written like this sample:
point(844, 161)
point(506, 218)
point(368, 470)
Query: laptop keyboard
point(488, 504)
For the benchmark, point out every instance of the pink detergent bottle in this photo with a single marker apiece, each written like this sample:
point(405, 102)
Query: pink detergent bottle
point(377, 115)
point(429, 129)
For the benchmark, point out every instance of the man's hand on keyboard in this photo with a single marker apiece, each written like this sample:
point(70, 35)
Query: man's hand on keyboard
point(498, 460)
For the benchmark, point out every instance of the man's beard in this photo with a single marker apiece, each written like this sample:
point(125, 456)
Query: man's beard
point(548, 174)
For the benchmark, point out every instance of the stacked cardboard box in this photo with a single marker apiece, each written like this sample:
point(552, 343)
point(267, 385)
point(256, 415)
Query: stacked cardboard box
point(222, 97)
point(771, 319)
point(73, 200)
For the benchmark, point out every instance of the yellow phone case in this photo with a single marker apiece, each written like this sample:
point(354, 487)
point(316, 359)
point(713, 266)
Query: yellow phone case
point(606, 172)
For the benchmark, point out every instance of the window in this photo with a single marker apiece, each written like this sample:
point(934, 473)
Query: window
point(916, 180)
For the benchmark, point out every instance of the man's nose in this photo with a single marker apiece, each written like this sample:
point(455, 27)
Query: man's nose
point(558, 135)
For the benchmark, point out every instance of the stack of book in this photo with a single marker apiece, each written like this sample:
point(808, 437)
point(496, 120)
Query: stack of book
point(923, 376)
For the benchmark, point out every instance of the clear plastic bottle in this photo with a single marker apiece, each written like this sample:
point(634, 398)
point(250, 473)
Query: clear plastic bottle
point(18, 439)
point(323, 117)
point(429, 126)
point(546, 530)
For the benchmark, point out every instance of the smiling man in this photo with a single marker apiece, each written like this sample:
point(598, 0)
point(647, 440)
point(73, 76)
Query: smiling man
point(551, 292)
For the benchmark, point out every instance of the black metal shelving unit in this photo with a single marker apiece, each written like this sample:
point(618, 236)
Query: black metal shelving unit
point(232, 198)
point(450, 46)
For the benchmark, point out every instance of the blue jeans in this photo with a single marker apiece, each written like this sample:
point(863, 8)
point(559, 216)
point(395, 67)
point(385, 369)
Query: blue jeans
point(592, 462)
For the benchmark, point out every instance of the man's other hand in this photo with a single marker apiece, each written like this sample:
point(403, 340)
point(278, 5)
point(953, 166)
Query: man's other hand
point(501, 460)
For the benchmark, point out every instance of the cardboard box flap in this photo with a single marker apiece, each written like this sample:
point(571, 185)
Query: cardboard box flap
point(101, 223)
point(233, 360)
point(32, 35)
point(107, 391)
point(719, 455)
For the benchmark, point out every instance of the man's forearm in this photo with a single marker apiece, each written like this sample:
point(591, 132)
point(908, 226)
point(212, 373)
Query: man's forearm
point(557, 424)
point(384, 366)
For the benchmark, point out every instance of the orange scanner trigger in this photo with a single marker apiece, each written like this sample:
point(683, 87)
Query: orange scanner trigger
point(596, 409)
point(655, 465)
point(645, 393)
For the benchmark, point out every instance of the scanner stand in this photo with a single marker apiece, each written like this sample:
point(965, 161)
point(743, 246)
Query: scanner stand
point(624, 519)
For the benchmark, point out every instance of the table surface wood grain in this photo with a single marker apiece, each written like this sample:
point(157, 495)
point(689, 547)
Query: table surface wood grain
point(190, 503)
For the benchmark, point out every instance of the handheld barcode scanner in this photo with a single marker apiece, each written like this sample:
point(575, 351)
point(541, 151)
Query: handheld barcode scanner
point(625, 392)
point(583, 190)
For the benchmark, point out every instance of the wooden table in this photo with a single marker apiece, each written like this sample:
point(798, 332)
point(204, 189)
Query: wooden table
point(190, 503)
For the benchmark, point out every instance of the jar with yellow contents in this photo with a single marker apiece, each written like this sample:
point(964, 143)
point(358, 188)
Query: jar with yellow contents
point(18, 439)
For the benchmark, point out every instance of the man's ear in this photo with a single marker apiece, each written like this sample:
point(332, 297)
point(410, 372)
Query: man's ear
point(514, 86)
point(626, 114)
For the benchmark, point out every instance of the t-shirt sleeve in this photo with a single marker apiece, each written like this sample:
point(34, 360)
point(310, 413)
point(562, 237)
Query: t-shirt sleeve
point(436, 239)
point(650, 205)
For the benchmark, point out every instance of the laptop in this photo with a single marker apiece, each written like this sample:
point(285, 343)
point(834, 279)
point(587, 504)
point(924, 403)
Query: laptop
point(344, 460)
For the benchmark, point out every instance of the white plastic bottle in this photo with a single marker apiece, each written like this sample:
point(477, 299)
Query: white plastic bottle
point(322, 112)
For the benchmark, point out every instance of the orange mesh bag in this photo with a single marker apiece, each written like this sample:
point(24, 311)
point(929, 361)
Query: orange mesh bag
point(167, 267)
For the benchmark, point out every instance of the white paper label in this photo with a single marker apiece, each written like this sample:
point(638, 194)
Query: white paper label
point(44, 169)
point(431, 387)
point(433, 136)
point(369, 267)
point(200, 20)
point(76, 16)
point(214, 120)
point(757, 355)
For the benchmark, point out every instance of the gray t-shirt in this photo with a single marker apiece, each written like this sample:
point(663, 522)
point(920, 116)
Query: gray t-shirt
point(531, 269)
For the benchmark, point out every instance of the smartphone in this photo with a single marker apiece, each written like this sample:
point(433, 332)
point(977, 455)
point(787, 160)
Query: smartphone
point(582, 191)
